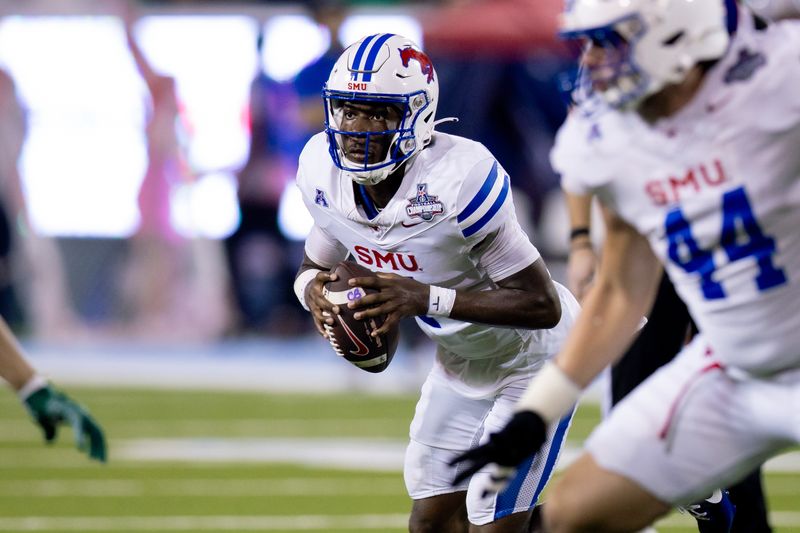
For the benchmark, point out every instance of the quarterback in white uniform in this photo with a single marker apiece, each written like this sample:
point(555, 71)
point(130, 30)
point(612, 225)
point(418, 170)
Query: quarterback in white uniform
point(689, 138)
point(433, 214)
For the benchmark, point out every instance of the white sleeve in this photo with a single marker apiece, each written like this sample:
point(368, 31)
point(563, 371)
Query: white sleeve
point(775, 81)
point(788, 38)
point(587, 150)
point(565, 158)
point(507, 252)
point(322, 248)
point(776, 9)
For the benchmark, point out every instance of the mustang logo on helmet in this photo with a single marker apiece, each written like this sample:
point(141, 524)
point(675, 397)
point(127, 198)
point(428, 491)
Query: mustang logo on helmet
point(408, 53)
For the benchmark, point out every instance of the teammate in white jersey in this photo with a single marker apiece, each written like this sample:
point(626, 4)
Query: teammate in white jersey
point(690, 140)
point(433, 214)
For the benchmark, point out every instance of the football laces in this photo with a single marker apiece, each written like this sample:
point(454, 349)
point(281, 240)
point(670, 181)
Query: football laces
point(332, 338)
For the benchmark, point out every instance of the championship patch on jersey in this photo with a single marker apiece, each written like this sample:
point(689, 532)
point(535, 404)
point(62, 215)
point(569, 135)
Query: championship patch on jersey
point(320, 199)
point(424, 205)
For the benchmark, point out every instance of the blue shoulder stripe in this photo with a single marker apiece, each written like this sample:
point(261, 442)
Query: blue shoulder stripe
point(359, 53)
point(476, 202)
point(498, 203)
point(373, 54)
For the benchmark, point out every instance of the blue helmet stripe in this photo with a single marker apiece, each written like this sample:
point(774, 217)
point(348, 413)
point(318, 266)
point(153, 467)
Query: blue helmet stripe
point(373, 54)
point(498, 203)
point(476, 202)
point(359, 53)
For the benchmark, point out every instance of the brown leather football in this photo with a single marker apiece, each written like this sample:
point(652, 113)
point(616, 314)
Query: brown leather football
point(350, 338)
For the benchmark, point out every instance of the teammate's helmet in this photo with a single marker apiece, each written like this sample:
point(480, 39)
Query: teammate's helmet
point(649, 43)
point(383, 69)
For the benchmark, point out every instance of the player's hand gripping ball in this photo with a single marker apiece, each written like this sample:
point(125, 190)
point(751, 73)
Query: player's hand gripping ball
point(351, 338)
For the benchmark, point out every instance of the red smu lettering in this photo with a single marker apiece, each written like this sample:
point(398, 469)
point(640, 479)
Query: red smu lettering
point(412, 266)
point(655, 190)
point(672, 189)
point(364, 255)
point(676, 185)
point(395, 261)
point(357, 86)
point(387, 258)
point(711, 180)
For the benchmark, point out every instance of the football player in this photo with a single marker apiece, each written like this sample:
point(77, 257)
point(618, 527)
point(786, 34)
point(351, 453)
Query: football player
point(689, 139)
point(433, 214)
point(48, 406)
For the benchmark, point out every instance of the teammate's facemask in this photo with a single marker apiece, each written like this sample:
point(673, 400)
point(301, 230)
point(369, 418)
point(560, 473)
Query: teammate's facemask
point(380, 70)
point(635, 48)
point(606, 68)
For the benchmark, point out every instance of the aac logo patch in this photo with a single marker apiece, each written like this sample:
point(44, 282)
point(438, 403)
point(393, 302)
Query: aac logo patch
point(320, 199)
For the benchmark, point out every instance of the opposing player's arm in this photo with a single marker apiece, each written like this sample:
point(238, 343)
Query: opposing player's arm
point(48, 406)
point(13, 366)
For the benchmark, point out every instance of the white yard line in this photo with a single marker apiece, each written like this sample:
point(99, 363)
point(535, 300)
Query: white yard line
point(231, 488)
point(779, 519)
point(350, 453)
point(205, 523)
point(305, 364)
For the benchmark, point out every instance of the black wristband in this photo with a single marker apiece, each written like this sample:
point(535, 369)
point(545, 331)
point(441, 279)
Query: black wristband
point(578, 232)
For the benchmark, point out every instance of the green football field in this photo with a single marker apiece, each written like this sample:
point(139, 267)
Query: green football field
point(222, 461)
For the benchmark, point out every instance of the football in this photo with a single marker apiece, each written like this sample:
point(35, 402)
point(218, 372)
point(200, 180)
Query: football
point(350, 338)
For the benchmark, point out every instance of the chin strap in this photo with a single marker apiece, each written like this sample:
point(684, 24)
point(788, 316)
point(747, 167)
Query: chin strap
point(372, 176)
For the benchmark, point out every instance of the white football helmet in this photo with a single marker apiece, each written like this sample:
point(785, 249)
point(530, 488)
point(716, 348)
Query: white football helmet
point(390, 69)
point(649, 43)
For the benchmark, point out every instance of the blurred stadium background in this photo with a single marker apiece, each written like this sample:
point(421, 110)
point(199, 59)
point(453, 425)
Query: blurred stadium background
point(150, 233)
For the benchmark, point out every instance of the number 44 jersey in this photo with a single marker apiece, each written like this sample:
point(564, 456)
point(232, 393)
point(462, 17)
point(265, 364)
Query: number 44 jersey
point(716, 190)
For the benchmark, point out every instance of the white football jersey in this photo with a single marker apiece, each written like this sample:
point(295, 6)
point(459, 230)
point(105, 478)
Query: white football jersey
point(450, 224)
point(716, 190)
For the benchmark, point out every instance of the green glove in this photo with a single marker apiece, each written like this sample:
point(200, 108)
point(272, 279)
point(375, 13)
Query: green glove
point(50, 407)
